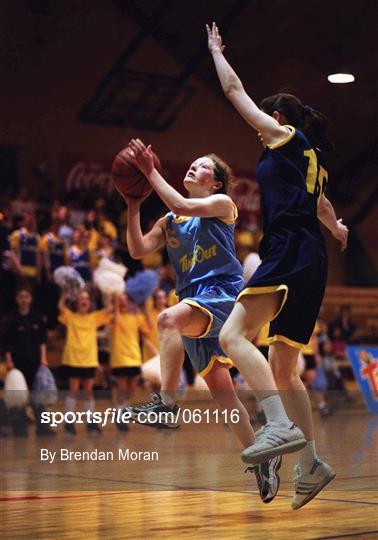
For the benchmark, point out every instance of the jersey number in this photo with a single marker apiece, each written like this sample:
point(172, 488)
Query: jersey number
point(172, 241)
point(317, 177)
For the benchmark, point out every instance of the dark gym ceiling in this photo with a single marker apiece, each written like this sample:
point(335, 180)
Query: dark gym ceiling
point(272, 45)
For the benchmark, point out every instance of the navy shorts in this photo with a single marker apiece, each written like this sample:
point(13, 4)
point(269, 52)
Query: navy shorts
point(130, 371)
point(302, 278)
point(80, 372)
point(216, 298)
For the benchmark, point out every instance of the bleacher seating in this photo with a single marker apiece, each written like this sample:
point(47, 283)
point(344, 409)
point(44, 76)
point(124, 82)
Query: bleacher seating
point(363, 304)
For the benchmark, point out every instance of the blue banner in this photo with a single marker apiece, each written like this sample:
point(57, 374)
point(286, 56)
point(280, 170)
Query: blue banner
point(364, 362)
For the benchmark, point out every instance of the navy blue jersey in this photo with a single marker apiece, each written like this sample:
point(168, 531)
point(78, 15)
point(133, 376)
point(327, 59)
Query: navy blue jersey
point(81, 261)
point(292, 177)
point(55, 248)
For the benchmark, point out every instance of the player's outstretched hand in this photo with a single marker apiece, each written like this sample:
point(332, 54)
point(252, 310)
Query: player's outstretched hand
point(214, 39)
point(342, 234)
point(143, 156)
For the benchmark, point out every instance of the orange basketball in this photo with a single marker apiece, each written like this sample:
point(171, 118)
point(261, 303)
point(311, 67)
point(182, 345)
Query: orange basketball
point(128, 178)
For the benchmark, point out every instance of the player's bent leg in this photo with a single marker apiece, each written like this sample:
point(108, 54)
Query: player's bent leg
point(279, 435)
point(283, 360)
point(311, 474)
point(174, 322)
point(248, 316)
point(221, 387)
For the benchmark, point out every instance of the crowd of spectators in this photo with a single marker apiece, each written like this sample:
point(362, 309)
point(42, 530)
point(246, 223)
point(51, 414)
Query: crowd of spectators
point(35, 239)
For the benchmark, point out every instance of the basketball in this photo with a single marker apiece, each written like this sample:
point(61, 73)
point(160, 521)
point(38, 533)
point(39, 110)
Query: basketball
point(128, 178)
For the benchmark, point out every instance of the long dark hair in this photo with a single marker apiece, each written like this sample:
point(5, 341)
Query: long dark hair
point(222, 173)
point(313, 123)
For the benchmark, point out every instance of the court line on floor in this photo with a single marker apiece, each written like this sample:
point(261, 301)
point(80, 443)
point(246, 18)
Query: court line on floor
point(343, 535)
point(45, 497)
point(173, 486)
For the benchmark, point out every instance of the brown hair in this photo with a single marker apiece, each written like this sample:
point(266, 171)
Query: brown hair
point(155, 293)
point(222, 173)
point(24, 287)
point(313, 123)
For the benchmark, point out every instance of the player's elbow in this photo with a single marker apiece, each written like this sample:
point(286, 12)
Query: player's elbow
point(180, 208)
point(136, 254)
point(323, 207)
point(233, 88)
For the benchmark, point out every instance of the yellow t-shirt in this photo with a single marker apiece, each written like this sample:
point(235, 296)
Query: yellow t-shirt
point(80, 349)
point(109, 229)
point(172, 298)
point(125, 348)
point(94, 237)
point(152, 260)
point(153, 337)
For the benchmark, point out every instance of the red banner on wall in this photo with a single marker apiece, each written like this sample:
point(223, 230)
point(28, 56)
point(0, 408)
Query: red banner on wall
point(82, 173)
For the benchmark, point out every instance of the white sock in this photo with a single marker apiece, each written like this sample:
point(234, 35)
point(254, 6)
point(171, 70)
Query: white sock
point(274, 410)
point(89, 405)
point(168, 398)
point(307, 456)
point(70, 404)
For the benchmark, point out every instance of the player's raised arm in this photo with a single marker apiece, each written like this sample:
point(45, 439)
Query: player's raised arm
point(138, 244)
point(213, 205)
point(233, 88)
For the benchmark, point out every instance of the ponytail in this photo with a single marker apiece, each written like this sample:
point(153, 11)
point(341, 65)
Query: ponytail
point(313, 123)
point(315, 129)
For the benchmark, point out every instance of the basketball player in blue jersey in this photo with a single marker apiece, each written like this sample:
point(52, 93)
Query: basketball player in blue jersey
point(199, 235)
point(287, 288)
point(80, 256)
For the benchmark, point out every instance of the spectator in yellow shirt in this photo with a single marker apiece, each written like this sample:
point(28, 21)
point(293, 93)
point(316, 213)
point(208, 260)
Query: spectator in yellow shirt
point(129, 328)
point(80, 355)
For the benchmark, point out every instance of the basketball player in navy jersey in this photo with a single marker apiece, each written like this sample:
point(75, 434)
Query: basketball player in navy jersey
point(199, 235)
point(288, 287)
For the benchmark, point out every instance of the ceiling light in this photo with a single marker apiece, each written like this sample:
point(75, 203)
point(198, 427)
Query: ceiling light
point(340, 78)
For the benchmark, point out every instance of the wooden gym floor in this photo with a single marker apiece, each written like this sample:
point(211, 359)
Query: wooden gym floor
point(197, 489)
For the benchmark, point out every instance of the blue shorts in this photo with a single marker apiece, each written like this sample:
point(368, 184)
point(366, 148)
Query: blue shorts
point(216, 298)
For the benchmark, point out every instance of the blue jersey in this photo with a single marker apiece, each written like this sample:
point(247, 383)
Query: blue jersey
point(291, 176)
point(55, 248)
point(201, 248)
point(28, 248)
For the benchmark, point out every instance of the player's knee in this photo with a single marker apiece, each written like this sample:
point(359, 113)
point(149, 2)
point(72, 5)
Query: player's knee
point(283, 372)
point(228, 338)
point(166, 321)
